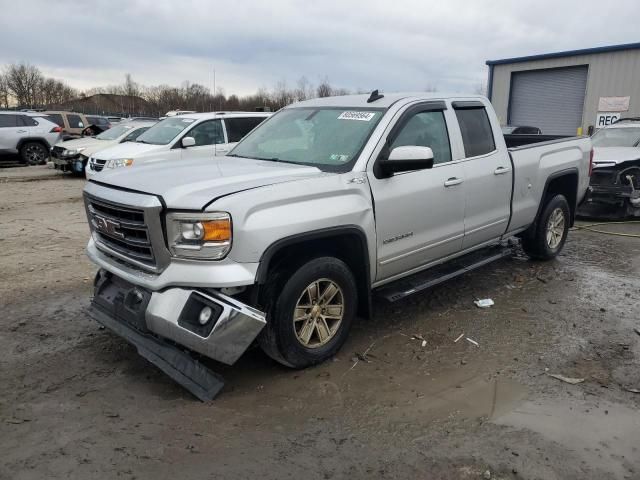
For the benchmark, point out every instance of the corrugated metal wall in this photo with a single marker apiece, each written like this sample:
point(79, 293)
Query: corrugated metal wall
point(611, 74)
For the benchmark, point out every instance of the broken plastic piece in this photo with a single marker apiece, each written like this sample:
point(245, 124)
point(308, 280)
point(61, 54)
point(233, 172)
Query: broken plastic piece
point(484, 303)
point(461, 335)
point(572, 381)
point(470, 340)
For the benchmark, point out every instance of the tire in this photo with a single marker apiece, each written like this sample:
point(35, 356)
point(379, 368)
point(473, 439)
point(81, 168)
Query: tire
point(549, 233)
point(317, 334)
point(34, 153)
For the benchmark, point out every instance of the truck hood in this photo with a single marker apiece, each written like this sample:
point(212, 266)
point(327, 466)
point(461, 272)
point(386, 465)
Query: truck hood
point(193, 184)
point(611, 156)
point(129, 150)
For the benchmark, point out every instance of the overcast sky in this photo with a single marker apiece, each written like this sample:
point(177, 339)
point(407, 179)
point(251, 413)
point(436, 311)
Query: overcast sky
point(392, 45)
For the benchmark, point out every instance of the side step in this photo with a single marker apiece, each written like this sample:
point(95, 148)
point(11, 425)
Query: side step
point(176, 363)
point(441, 273)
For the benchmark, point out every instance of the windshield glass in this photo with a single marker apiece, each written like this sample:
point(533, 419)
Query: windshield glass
point(165, 131)
point(113, 133)
point(327, 138)
point(616, 137)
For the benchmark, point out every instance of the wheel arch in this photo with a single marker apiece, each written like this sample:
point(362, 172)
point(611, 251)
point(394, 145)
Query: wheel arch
point(347, 243)
point(41, 140)
point(564, 182)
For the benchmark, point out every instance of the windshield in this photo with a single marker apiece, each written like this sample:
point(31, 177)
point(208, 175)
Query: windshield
point(113, 133)
point(327, 138)
point(616, 137)
point(165, 131)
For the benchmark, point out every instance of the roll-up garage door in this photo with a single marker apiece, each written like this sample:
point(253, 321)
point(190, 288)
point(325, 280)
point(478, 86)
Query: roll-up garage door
point(550, 99)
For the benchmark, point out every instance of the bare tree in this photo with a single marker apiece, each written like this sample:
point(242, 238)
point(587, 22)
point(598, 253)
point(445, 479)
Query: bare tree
point(4, 92)
point(22, 82)
point(324, 88)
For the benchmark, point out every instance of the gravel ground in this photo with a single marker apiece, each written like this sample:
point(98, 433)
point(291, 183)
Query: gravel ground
point(78, 402)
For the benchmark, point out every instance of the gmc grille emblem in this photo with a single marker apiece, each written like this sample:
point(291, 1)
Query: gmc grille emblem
point(106, 226)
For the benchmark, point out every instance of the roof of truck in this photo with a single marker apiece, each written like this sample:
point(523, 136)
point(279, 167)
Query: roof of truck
point(385, 102)
point(207, 115)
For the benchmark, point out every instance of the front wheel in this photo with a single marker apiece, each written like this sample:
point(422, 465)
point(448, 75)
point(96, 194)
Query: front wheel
point(310, 316)
point(549, 234)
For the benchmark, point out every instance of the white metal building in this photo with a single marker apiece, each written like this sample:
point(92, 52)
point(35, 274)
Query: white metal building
point(567, 93)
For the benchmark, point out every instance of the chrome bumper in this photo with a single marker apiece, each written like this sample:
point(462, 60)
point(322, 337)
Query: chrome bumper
point(172, 314)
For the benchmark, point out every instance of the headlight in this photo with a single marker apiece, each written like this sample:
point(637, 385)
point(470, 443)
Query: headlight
point(200, 235)
point(73, 151)
point(119, 162)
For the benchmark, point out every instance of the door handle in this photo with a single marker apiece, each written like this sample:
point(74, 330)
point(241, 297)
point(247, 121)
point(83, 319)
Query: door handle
point(453, 181)
point(501, 170)
point(22, 131)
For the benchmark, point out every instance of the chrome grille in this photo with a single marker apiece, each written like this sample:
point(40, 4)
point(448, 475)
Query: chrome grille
point(96, 164)
point(122, 230)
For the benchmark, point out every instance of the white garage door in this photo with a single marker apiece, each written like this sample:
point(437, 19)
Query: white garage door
point(550, 99)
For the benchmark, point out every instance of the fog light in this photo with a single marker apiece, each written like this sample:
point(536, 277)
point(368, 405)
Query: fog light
point(205, 315)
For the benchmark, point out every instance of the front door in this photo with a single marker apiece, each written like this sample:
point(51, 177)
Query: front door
point(419, 214)
point(209, 138)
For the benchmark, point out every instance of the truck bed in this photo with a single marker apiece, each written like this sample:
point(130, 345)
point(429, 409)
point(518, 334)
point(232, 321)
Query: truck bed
point(513, 141)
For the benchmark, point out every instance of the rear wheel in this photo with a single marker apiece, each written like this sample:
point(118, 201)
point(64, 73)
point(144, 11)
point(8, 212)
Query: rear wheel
point(33, 153)
point(550, 231)
point(311, 313)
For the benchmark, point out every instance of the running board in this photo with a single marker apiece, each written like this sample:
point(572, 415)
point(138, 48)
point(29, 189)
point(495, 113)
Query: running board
point(441, 273)
point(192, 375)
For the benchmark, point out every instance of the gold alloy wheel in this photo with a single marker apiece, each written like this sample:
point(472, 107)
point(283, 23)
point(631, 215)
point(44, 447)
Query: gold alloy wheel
point(555, 228)
point(318, 313)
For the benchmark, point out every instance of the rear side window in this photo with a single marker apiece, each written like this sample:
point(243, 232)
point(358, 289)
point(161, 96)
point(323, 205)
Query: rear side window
point(28, 121)
point(8, 120)
point(239, 127)
point(476, 131)
point(97, 121)
point(75, 121)
point(55, 118)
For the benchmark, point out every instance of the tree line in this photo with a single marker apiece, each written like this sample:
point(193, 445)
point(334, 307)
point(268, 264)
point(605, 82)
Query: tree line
point(25, 86)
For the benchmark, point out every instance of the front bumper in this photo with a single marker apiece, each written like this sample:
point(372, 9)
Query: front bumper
point(172, 314)
point(75, 164)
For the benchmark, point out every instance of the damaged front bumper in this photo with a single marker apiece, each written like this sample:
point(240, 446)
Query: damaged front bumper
point(161, 323)
point(614, 192)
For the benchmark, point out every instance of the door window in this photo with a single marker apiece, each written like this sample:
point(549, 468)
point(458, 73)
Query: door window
point(239, 127)
point(477, 135)
point(75, 121)
point(135, 134)
point(8, 120)
point(207, 133)
point(28, 121)
point(426, 129)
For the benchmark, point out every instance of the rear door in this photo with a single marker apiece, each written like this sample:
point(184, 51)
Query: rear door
point(419, 214)
point(487, 173)
point(236, 129)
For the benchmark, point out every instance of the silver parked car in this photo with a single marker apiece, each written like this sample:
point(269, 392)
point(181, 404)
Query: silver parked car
point(29, 134)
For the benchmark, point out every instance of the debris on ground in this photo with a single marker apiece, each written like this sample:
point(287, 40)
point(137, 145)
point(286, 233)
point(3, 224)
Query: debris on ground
point(457, 339)
point(484, 303)
point(417, 336)
point(472, 341)
point(633, 390)
point(486, 475)
point(637, 330)
point(572, 381)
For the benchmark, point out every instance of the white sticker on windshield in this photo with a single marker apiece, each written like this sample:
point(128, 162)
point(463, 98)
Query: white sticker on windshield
point(188, 120)
point(362, 116)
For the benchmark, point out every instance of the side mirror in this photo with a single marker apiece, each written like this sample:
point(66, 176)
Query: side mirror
point(188, 142)
point(406, 159)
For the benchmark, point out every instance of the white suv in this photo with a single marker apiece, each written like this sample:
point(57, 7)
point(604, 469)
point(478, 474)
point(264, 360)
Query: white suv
point(29, 134)
point(180, 137)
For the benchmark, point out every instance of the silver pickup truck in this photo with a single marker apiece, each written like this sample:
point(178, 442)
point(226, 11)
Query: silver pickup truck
point(285, 239)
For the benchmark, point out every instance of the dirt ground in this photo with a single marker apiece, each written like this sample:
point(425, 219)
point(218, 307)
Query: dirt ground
point(78, 402)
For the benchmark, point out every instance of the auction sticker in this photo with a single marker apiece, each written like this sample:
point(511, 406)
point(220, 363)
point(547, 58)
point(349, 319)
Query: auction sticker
point(362, 116)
